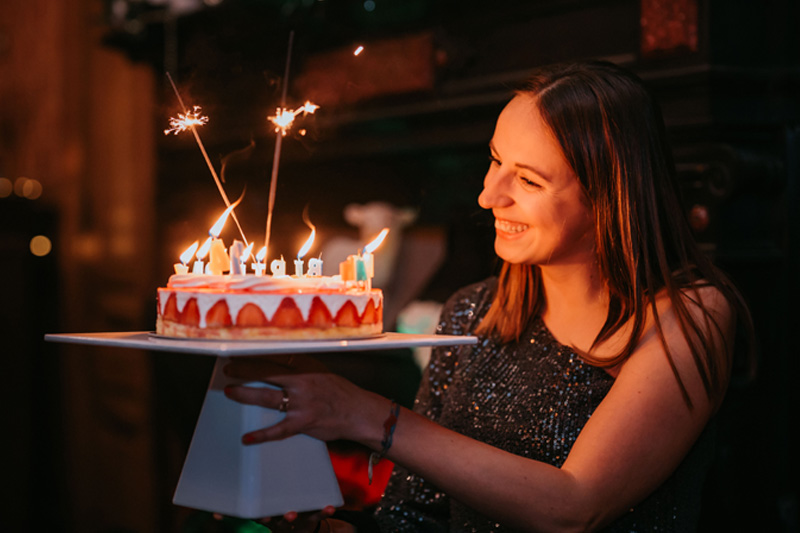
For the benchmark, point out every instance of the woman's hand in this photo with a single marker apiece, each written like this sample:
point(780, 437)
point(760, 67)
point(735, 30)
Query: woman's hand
point(316, 402)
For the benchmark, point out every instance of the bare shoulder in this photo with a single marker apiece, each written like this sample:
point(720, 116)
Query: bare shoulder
point(708, 315)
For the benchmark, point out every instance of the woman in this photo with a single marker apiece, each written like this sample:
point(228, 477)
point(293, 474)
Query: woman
point(605, 345)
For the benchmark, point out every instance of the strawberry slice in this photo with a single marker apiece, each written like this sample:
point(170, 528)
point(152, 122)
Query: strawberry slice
point(251, 316)
point(171, 309)
point(191, 314)
point(287, 315)
point(218, 316)
point(370, 315)
point(319, 316)
point(347, 316)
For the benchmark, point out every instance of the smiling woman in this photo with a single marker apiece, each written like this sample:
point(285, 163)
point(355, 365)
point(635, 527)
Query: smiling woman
point(604, 346)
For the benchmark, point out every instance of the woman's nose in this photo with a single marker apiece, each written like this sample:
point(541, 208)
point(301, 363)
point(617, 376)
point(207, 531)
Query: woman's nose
point(494, 193)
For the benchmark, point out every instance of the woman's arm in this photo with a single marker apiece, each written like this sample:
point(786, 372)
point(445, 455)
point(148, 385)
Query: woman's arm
point(634, 440)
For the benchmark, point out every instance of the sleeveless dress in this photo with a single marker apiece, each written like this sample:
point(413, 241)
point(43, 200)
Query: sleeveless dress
point(530, 398)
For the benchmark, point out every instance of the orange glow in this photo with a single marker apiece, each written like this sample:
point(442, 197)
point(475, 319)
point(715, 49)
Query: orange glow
point(377, 241)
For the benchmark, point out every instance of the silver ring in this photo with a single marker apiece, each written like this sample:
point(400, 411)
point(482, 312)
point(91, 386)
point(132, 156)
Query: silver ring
point(284, 405)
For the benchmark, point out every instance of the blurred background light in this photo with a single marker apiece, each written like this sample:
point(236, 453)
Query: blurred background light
point(31, 189)
point(19, 185)
point(40, 246)
point(6, 187)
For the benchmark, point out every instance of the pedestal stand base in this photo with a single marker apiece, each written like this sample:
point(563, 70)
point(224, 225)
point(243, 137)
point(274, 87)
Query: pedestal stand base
point(222, 475)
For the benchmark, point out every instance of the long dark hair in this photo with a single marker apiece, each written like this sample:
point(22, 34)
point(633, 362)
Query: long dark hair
point(612, 134)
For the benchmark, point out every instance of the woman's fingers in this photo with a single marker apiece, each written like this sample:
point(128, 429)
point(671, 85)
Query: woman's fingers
point(265, 397)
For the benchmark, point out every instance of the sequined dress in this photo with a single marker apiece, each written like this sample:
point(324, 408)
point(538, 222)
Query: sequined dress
point(530, 398)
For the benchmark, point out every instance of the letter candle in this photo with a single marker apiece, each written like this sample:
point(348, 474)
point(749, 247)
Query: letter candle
point(315, 267)
point(278, 267)
point(259, 266)
point(238, 255)
point(186, 256)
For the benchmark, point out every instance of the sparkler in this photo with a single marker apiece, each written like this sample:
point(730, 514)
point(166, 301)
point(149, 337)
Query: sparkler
point(282, 120)
point(189, 120)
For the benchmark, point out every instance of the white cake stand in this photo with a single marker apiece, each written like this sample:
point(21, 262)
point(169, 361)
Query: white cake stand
point(220, 474)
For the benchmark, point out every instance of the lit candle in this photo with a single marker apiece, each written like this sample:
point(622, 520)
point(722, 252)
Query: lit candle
point(367, 261)
point(246, 254)
point(298, 263)
point(259, 266)
point(186, 256)
point(347, 269)
point(314, 267)
point(201, 254)
point(278, 267)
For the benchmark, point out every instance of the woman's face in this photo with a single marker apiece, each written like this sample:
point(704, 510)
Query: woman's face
point(541, 214)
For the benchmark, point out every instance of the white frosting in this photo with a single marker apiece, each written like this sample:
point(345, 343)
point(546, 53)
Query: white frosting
point(266, 292)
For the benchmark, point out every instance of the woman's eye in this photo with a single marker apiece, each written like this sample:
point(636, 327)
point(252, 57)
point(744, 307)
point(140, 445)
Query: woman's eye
point(493, 160)
point(527, 182)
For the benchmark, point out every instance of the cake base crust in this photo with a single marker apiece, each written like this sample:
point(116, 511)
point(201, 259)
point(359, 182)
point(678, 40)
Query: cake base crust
point(169, 328)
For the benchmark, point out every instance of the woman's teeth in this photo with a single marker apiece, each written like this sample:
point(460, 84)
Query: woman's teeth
point(509, 227)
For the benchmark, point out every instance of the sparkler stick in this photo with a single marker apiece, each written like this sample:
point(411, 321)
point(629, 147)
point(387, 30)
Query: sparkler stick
point(189, 122)
point(277, 157)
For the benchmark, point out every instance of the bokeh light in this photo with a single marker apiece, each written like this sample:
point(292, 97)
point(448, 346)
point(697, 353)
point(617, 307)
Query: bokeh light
point(19, 186)
point(6, 187)
point(32, 189)
point(40, 246)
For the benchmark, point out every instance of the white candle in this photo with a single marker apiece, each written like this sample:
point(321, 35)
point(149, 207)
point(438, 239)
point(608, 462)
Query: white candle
point(314, 267)
point(186, 256)
point(298, 268)
point(198, 266)
point(369, 265)
point(259, 268)
point(278, 267)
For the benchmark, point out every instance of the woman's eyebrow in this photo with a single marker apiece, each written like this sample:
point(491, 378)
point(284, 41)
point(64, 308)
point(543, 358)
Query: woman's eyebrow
point(532, 168)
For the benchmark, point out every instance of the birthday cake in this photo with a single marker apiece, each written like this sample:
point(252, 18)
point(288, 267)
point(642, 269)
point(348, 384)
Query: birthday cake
point(250, 307)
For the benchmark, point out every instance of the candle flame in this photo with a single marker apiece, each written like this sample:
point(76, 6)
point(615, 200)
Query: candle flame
point(186, 121)
point(307, 246)
point(247, 251)
point(187, 254)
point(216, 229)
point(262, 254)
point(358, 50)
point(201, 253)
point(284, 118)
point(377, 241)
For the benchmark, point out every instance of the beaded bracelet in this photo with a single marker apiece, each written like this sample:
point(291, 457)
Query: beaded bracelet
point(386, 443)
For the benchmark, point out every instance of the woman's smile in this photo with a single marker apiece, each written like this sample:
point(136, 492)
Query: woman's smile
point(509, 226)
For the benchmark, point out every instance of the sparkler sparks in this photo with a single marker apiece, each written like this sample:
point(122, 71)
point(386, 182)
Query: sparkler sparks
point(284, 118)
point(186, 121)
